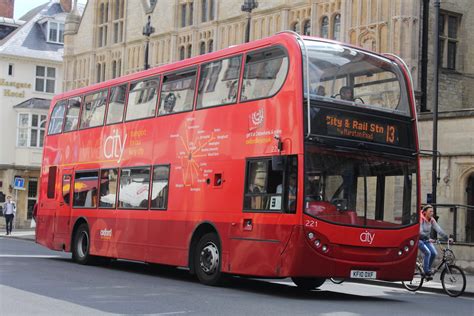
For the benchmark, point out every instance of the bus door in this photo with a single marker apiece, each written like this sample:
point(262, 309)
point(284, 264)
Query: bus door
point(268, 217)
point(62, 215)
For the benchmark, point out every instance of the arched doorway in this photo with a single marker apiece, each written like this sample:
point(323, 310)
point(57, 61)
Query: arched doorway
point(470, 213)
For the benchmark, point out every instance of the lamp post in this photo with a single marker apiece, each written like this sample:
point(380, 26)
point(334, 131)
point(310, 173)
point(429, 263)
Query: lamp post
point(147, 31)
point(435, 105)
point(248, 6)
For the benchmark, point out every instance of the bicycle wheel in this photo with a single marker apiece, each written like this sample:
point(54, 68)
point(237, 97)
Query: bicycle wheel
point(453, 280)
point(337, 280)
point(417, 281)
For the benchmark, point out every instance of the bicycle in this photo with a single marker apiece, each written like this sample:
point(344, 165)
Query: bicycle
point(452, 277)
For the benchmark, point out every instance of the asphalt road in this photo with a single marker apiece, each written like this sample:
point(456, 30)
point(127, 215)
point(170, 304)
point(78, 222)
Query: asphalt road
point(34, 280)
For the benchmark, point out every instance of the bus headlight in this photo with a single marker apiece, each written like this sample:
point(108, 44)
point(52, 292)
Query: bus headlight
point(406, 248)
point(317, 243)
point(400, 252)
point(310, 236)
point(412, 242)
point(325, 248)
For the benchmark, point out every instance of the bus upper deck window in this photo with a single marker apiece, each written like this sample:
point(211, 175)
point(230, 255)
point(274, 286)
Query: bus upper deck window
point(142, 99)
point(218, 83)
point(94, 109)
point(177, 93)
point(265, 72)
point(116, 104)
point(72, 114)
point(57, 118)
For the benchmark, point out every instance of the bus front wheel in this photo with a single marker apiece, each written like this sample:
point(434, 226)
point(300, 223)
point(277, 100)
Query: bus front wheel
point(308, 284)
point(207, 259)
point(81, 245)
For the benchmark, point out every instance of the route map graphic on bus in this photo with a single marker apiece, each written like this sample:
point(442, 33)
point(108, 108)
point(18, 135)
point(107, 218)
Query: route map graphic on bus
point(197, 145)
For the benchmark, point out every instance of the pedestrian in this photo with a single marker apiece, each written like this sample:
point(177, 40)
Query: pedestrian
point(9, 211)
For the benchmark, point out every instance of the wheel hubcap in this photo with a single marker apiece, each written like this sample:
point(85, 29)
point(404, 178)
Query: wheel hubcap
point(83, 244)
point(209, 258)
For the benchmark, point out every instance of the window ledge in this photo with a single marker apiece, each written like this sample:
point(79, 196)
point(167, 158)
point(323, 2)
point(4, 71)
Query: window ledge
point(450, 71)
point(428, 116)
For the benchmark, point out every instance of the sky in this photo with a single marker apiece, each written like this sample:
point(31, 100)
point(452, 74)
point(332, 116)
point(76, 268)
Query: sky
point(23, 6)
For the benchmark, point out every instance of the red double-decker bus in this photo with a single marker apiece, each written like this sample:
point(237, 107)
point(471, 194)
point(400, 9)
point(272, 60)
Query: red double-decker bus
point(285, 157)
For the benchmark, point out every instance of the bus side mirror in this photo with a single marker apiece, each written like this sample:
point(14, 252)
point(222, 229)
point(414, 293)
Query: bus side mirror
point(278, 163)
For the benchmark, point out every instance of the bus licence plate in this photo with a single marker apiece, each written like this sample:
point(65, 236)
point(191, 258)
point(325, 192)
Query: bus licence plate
point(359, 274)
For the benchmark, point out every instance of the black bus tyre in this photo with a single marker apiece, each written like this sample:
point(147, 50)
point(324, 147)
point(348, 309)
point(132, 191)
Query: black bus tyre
point(417, 282)
point(207, 259)
point(308, 284)
point(81, 245)
point(453, 280)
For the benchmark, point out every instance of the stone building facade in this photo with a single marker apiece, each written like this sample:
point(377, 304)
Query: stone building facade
point(108, 42)
point(30, 74)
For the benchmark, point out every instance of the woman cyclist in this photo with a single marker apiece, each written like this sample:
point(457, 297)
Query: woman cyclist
point(427, 222)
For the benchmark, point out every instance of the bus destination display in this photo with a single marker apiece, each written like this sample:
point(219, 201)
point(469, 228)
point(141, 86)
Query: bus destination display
point(341, 124)
point(345, 126)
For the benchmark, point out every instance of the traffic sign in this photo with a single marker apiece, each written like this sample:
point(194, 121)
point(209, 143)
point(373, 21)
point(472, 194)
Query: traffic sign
point(19, 184)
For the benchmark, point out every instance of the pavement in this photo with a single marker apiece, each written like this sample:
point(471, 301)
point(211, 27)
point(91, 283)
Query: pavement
point(431, 286)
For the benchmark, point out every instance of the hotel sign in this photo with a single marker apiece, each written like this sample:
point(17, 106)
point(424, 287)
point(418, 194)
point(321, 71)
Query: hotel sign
point(8, 92)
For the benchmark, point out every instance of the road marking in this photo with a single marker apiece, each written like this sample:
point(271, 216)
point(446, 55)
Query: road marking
point(28, 256)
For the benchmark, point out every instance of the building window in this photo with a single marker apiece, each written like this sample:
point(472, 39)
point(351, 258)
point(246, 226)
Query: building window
point(191, 13)
point(32, 195)
point(103, 20)
point(100, 72)
point(116, 68)
point(210, 46)
point(324, 32)
point(55, 32)
point(207, 10)
point(307, 27)
point(202, 48)
point(204, 11)
point(118, 21)
point(183, 15)
point(212, 6)
point(45, 79)
point(336, 28)
point(31, 129)
point(448, 39)
point(190, 50)
point(296, 27)
point(181, 53)
point(10, 69)
point(187, 11)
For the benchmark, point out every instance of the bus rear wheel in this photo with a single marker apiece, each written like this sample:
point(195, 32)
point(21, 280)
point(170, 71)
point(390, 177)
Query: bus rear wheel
point(308, 284)
point(81, 245)
point(207, 259)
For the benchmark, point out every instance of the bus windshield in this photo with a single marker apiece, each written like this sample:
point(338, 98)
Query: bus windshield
point(347, 75)
point(360, 189)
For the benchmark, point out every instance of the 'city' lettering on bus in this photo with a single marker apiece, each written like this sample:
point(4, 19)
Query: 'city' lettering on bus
point(113, 146)
point(367, 237)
